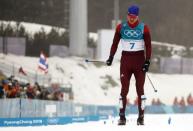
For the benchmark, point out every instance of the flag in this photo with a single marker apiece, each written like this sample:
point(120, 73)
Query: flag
point(21, 71)
point(43, 65)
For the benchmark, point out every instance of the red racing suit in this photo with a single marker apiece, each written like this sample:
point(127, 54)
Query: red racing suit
point(132, 60)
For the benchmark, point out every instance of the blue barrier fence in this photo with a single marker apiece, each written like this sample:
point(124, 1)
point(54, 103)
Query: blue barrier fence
point(22, 108)
point(26, 112)
point(43, 121)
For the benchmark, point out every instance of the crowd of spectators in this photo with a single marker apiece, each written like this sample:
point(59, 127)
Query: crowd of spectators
point(157, 102)
point(177, 102)
point(12, 88)
point(154, 102)
point(183, 102)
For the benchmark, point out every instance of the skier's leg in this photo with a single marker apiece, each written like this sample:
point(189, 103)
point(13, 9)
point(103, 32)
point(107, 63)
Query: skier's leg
point(125, 75)
point(125, 81)
point(140, 80)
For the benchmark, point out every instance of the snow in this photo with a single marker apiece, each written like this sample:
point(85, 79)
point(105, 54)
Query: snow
point(33, 28)
point(177, 47)
point(88, 79)
point(159, 122)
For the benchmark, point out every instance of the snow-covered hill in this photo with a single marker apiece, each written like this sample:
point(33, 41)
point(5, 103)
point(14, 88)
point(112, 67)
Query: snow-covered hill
point(99, 84)
point(33, 28)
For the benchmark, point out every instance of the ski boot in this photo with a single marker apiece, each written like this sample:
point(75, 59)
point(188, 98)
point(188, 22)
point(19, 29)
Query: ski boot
point(122, 121)
point(140, 120)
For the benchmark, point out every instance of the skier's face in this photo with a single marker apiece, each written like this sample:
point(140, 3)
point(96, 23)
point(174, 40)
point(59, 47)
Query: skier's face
point(132, 18)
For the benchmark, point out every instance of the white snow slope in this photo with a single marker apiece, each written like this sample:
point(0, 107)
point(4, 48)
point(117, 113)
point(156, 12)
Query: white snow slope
point(90, 82)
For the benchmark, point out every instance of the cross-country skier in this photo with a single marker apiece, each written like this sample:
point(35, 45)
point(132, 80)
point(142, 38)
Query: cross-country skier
point(136, 42)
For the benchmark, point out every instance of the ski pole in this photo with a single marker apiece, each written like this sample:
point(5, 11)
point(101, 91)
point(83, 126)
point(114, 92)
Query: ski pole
point(98, 61)
point(155, 90)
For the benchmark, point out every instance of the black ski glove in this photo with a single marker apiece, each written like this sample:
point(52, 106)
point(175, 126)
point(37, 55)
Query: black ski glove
point(146, 65)
point(109, 61)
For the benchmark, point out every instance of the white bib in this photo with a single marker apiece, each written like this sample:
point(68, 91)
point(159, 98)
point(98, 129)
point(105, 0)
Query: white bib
point(132, 45)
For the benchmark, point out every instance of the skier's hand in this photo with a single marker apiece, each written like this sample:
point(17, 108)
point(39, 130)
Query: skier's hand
point(109, 61)
point(146, 65)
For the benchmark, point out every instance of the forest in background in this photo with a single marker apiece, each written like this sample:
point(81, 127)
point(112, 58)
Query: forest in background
point(169, 20)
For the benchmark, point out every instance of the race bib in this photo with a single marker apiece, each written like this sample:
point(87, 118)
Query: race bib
point(132, 45)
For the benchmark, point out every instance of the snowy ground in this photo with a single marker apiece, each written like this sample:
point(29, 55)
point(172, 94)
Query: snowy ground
point(179, 122)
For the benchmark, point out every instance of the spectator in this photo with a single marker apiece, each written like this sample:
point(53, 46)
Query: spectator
point(16, 88)
point(23, 92)
point(128, 101)
point(44, 94)
point(158, 102)
point(37, 90)
point(136, 101)
point(57, 95)
point(61, 96)
point(175, 103)
point(182, 101)
point(190, 100)
point(9, 91)
point(153, 102)
point(30, 91)
point(5, 86)
point(11, 88)
point(1, 91)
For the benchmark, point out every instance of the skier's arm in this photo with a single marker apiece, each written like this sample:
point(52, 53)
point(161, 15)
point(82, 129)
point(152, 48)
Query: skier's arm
point(116, 40)
point(147, 39)
point(114, 46)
